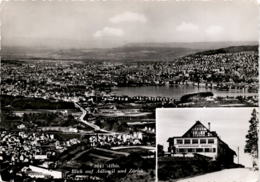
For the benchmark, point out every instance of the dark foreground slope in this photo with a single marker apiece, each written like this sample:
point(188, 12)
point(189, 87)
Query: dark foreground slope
point(175, 168)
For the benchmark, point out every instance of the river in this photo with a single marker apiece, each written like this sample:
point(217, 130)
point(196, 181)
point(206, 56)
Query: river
point(175, 91)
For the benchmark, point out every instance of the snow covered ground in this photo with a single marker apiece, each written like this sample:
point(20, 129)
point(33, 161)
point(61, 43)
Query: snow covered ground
point(227, 175)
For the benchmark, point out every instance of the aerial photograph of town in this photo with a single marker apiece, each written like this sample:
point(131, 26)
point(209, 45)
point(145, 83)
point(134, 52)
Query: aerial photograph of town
point(81, 82)
point(208, 144)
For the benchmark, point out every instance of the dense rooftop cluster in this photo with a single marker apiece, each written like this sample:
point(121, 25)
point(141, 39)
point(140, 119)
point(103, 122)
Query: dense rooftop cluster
point(237, 68)
point(74, 80)
point(23, 147)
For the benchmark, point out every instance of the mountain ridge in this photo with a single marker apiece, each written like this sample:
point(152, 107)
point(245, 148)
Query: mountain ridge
point(128, 52)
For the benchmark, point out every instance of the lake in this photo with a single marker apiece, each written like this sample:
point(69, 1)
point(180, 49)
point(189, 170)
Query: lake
point(175, 91)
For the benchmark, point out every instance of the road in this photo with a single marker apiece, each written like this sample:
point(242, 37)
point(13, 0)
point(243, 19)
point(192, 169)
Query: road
point(84, 112)
point(226, 175)
point(133, 147)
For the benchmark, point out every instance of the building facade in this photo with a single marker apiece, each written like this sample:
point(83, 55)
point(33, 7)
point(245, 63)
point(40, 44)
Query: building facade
point(200, 140)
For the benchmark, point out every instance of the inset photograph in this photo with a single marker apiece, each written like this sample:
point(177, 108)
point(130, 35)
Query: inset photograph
point(207, 144)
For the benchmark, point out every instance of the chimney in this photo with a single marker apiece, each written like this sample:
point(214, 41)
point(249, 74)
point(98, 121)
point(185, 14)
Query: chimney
point(209, 126)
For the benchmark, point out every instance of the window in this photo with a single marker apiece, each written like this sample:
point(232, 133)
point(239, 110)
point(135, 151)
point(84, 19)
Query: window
point(210, 149)
point(181, 150)
point(210, 141)
point(187, 141)
point(202, 141)
point(189, 150)
point(195, 141)
point(179, 141)
point(199, 150)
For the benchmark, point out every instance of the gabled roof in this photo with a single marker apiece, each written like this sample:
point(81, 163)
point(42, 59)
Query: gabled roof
point(198, 123)
point(226, 145)
point(213, 133)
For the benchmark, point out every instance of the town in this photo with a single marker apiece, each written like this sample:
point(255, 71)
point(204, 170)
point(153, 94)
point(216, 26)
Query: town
point(61, 116)
point(234, 73)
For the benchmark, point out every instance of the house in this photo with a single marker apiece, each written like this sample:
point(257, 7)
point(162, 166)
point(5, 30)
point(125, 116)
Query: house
point(200, 140)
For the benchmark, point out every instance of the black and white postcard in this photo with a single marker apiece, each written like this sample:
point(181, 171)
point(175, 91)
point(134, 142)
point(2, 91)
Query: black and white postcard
point(81, 81)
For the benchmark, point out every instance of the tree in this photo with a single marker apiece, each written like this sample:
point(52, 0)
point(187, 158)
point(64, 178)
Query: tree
point(160, 150)
point(251, 146)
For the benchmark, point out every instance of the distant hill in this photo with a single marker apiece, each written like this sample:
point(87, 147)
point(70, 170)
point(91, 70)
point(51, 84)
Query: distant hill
point(139, 53)
point(124, 53)
point(129, 52)
point(194, 45)
point(232, 49)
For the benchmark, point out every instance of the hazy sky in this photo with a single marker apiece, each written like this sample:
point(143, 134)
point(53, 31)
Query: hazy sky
point(111, 23)
point(231, 124)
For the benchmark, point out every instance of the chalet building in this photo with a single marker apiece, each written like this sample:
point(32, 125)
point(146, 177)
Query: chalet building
point(200, 140)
